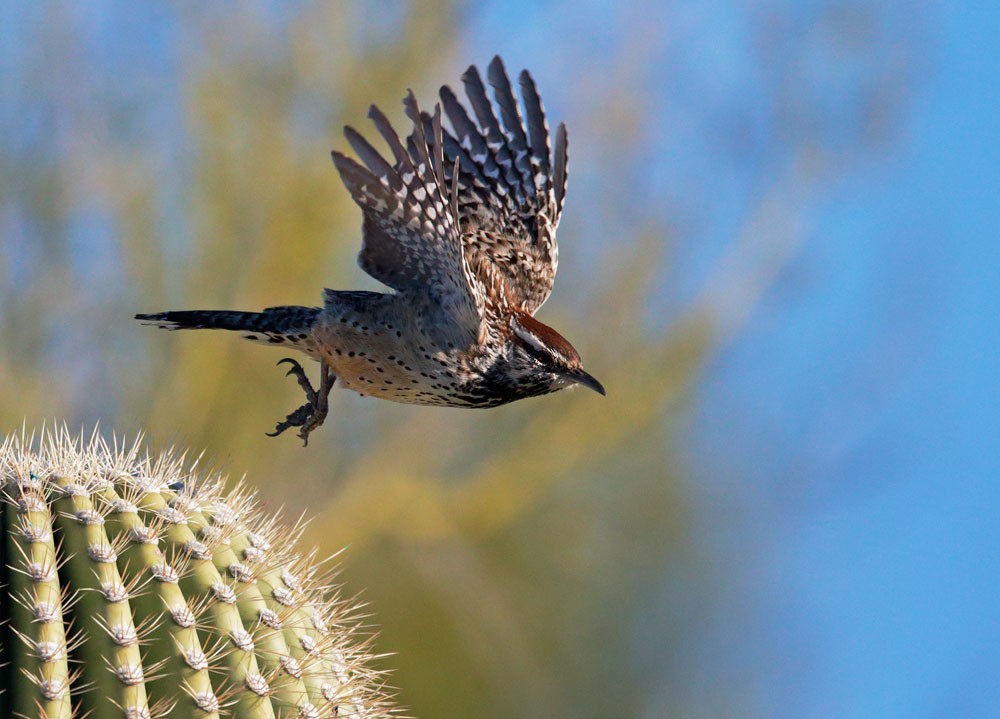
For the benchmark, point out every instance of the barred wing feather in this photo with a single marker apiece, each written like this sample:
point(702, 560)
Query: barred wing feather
point(463, 221)
point(410, 235)
point(510, 186)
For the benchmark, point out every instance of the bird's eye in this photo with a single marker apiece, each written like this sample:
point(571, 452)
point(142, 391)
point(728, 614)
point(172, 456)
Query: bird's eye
point(538, 352)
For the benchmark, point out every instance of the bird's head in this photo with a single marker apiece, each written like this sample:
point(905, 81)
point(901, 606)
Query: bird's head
point(546, 357)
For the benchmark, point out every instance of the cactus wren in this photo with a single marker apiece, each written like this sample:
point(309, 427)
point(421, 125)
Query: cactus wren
point(461, 224)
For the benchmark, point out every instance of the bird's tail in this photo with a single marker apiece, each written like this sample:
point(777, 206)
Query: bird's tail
point(288, 325)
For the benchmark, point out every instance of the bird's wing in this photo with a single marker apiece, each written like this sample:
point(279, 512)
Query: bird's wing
point(510, 184)
point(411, 239)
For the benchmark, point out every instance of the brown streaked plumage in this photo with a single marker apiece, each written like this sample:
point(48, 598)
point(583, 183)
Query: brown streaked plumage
point(461, 224)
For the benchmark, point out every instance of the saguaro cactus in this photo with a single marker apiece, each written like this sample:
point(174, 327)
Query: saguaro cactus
point(131, 587)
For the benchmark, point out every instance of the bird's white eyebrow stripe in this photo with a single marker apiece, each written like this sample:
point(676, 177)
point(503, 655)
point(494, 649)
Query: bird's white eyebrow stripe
point(533, 340)
point(527, 336)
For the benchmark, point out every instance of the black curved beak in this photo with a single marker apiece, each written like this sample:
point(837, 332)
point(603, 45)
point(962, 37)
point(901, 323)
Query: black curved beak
point(587, 380)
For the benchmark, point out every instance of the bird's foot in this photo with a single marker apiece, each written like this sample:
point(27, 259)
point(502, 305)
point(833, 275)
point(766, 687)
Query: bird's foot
point(312, 414)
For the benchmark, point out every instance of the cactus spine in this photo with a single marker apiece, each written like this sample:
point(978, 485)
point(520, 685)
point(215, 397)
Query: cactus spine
point(131, 587)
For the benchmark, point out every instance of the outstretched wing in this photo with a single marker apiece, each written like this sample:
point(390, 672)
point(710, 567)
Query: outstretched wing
point(411, 239)
point(510, 185)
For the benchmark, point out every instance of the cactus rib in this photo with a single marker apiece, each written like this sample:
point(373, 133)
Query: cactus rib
point(134, 587)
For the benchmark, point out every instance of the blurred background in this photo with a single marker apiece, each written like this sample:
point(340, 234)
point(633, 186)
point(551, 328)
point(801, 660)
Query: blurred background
point(779, 254)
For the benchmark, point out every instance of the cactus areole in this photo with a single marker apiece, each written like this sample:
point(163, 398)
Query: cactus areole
point(130, 587)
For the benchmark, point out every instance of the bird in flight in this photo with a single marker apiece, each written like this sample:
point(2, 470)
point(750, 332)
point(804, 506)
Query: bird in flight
point(461, 224)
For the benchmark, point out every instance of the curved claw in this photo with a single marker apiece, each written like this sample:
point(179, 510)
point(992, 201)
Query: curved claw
point(310, 415)
point(300, 375)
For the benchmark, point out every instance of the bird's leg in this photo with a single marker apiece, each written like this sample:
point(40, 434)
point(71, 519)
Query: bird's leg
point(321, 405)
point(299, 417)
point(310, 415)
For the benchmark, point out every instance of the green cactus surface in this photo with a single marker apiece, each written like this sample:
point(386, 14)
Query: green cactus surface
point(132, 587)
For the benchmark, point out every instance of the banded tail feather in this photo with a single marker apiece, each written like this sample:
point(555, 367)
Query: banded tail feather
point(288, 324)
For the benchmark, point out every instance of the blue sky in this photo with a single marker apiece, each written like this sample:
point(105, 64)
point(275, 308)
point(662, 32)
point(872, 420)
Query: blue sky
point(877, 560)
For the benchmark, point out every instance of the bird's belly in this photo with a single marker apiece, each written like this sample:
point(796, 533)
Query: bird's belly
point(370, 376)
point(390, 373)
